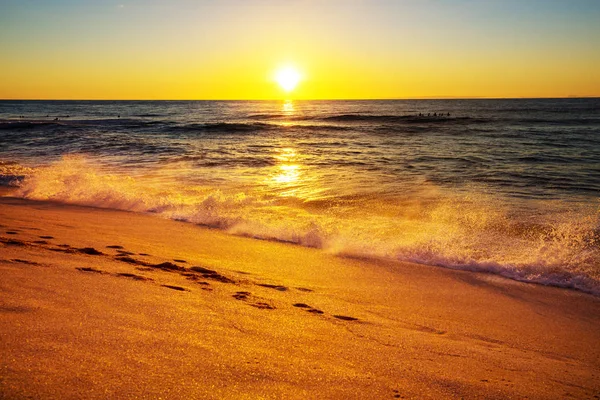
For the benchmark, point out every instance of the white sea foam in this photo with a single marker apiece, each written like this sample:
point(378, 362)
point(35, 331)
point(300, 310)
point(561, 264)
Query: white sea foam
point(554, 246)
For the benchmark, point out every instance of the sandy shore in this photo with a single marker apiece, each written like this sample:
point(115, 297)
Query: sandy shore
point(106, 304)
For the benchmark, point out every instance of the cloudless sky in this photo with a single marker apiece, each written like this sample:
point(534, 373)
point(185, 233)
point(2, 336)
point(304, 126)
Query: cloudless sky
point(231, 49)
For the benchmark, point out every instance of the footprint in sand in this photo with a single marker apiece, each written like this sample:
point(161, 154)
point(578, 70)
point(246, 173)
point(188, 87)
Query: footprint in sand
point(196, 279)
point(308, 308)
point(90, 251)
point(179, 260)
point(181, 289)
point(12, 242)
point(63, 250)
point(241, 295)
point(166, 266)
point(313, 310)
point(12, 232)
point(210, 274)
point(46, 237)
point(21, 261)
point(276, 287)
point(114, 246)
point(89, 269)
point(133, 276)
point(345, 318)
point(245, 296)
point(262, 306)
point(130, 260)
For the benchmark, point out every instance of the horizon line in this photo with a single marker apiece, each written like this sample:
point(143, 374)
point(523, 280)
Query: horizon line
point(322, 99)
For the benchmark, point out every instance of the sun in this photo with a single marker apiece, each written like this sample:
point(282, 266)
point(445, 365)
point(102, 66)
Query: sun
point(288, 78)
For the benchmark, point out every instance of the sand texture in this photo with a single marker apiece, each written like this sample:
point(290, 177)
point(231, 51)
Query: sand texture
point(106, 304)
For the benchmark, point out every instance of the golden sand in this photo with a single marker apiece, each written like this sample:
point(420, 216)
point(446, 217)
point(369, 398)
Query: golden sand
point(107, 304)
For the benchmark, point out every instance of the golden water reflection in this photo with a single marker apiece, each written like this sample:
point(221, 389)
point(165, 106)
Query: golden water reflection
point(288, 107)
point(286, 155)
point(292, 177)
point(288, 171)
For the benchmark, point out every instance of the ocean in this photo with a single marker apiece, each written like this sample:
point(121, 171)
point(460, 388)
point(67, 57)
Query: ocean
point(508, 187)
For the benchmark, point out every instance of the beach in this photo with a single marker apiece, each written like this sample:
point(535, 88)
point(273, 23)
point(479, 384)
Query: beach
point(99, 303)
point(267, 199)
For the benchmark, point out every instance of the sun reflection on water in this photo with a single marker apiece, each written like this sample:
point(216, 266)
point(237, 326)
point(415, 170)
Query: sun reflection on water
point(286, 155)
point(293, 177)
point(288, 107)
point(288, 171)
point(289, 174)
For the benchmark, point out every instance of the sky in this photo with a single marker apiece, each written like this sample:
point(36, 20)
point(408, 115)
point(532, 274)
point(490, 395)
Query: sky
point(352, 49)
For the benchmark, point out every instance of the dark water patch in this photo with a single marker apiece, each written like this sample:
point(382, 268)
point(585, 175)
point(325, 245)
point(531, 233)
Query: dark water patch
point(554, 159)
point(266, 116)
point(17, 125)
point(406, 119)
point(149, 115)
point(222, 128)
point(403, 130)
point(554, 121)
point(315, 128)
point(66, 125)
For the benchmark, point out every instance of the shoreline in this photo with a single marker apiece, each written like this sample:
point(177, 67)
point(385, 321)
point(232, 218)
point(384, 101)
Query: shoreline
point(496, 270)
point(119, 304)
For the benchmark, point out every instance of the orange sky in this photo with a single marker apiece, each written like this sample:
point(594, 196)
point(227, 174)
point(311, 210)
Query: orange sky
point(343, 49)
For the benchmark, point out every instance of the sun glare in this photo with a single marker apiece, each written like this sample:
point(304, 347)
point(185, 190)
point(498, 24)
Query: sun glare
point(288, 78)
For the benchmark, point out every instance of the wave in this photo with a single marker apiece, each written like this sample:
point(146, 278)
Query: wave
point(222, 127)
point(150, 115)
point(401, 119)
point(76, 123)
point(267, 116)
point(556, 246)
point(252, 127)
point(442, 118)
point(556, 121)
point(12, 173)
point(24, 124)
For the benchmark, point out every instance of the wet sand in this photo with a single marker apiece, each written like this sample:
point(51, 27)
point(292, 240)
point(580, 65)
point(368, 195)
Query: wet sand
point(105, 304)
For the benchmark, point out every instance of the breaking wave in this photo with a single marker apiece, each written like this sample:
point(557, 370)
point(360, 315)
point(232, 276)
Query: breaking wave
point(558, 245)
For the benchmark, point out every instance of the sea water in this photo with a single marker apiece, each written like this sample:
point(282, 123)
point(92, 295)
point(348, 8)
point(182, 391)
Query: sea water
point(509, 187)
